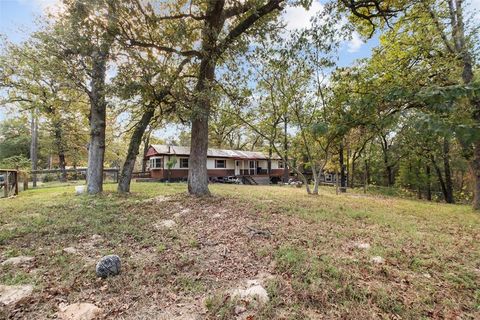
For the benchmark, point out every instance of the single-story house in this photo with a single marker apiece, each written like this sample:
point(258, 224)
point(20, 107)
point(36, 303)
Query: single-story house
point(220, 163)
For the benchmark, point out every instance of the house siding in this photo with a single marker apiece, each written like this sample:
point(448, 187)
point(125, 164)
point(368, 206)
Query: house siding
point(180, 173)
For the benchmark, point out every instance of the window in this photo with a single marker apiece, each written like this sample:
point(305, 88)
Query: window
point(252, 164)
point(183, 162)
point(280, 164)
point(220, 163)
point(156, 163)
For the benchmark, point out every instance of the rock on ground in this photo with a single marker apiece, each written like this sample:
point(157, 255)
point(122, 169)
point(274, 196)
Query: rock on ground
point(239, 310)
point(17, 260)
point(182, 213)
point(71, 250)
point(168, 224)
point(377, 260)
point(96, 237)
point(13, 294)
point(79, 190)
point(255, 292)
point(79, 311)
point(108, 266)
point(362, 245)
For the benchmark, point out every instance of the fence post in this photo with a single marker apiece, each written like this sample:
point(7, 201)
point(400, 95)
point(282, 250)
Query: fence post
point(25, 181)
point(336, 183)
point(6, 184)
point(16, 182)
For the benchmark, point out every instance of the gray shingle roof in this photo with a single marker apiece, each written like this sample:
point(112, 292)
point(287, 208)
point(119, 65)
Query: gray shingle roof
point(217, 153)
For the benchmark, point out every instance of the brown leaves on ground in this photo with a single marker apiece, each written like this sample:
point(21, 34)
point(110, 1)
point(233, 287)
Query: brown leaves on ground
point(312, 268)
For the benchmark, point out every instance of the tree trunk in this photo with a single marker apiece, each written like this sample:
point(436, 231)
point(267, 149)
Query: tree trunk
point(133, 149)
point(419, 186)
point(286, 174)
point(461, 48)
point(352, 174)
point(269, 161)
point(367, 172)
point(62, 163)
point(389, 173)
point(146, 144)
point(475, 166)
point(429, 184)
point(317, 178)
point(34, 146)
point(98, 114)
point(197, 173)
point(448, 172)
point(343, 184)
point(440, 178)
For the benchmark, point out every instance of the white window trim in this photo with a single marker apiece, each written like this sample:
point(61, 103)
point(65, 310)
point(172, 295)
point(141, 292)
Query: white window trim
point(224, 161)
point(152, 161)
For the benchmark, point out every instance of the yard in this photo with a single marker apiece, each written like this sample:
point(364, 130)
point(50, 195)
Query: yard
point(333, 256)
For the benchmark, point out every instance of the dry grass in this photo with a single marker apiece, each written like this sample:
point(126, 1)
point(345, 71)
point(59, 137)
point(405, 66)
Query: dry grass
point(431, 252)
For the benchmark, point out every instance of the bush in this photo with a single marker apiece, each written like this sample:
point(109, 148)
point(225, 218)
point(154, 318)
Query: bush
point(49, 177)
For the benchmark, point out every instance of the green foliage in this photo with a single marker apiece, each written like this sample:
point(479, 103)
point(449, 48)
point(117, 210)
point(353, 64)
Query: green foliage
point(14, 138)
point(14, 162)
point(171, 162)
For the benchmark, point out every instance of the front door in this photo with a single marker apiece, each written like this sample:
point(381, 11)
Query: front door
point(237, 167)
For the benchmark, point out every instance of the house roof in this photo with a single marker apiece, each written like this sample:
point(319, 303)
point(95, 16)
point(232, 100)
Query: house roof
point(214, 153)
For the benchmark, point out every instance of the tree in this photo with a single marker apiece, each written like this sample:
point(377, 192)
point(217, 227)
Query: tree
point(83, 37)
point(147, 82)
point(14, 138)
point(445, 42)
point(35, 82)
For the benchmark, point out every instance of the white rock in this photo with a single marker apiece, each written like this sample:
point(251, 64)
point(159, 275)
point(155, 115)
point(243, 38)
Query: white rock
point(181, 213)
point(96, 238)
point(427, 275)
point(17, 260)
point(79, 311)
point(362, 245)
point(377, 260)
point(168, 224)
point(13, 294)
point(70, 250)
point(256, 292)
point(239, 310)
point(79, 190)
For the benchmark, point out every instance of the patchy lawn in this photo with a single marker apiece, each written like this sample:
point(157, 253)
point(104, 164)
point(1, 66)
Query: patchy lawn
point(312, 254)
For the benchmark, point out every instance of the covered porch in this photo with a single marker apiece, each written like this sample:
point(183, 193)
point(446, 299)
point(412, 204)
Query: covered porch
point(251, 167)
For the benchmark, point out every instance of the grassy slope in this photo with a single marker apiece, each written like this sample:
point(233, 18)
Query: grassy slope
point(432, 252)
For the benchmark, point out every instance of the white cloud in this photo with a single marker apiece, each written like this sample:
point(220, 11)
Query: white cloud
point(355, 43)
point(297, 17)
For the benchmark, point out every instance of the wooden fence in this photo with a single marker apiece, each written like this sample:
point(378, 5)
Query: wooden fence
point(81, 171)
point(9, 182)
